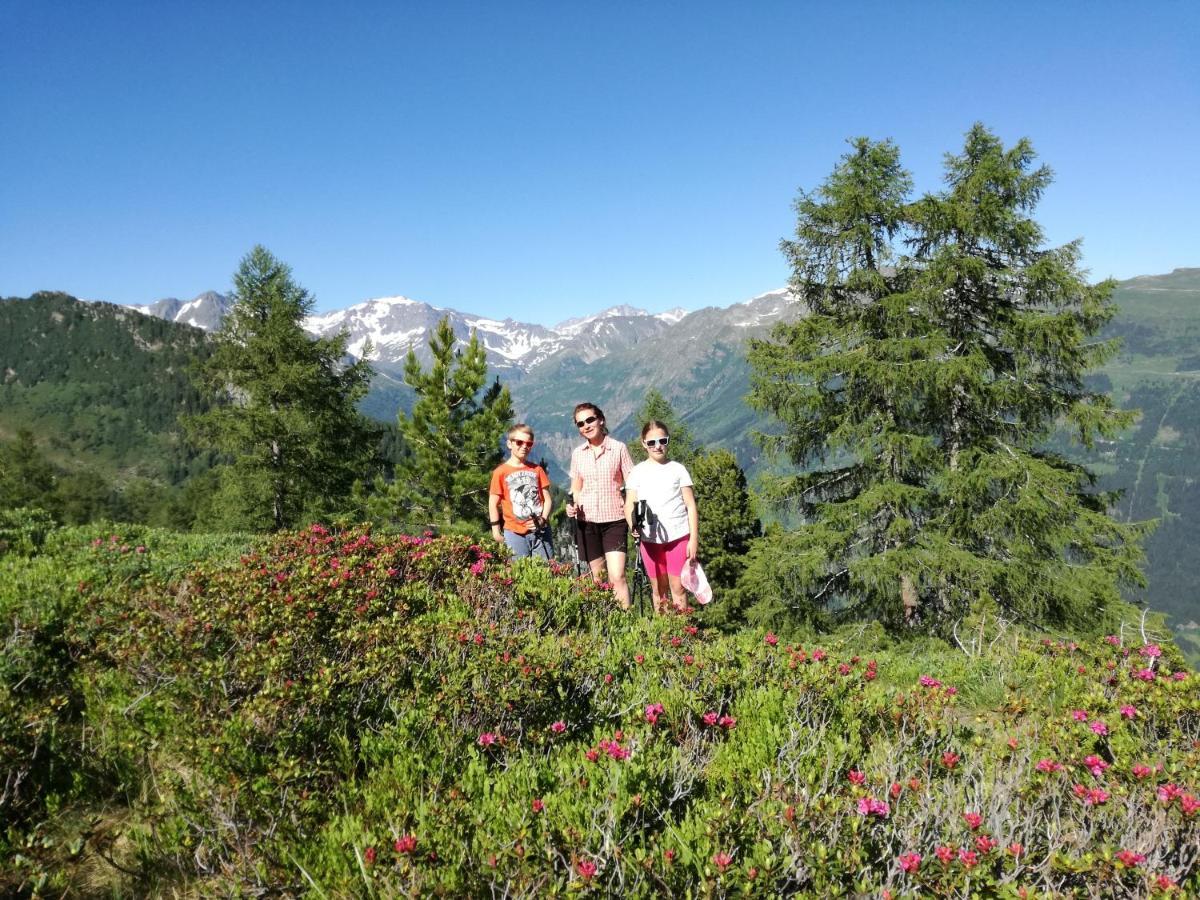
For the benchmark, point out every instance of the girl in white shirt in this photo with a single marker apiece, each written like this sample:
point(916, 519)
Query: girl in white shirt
point(670, 527)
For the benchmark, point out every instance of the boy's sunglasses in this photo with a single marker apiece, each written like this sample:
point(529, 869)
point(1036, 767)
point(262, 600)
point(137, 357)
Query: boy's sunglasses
point(656, 442)
point(521, 443)
point(586, 422)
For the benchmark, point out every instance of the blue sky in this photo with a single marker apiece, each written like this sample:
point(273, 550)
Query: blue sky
point(545, 160)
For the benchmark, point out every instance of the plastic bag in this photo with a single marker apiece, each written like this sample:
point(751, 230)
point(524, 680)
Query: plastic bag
point(693, 580)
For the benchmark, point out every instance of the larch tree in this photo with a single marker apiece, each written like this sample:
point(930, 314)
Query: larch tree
point(943, 346)
point(288, 420)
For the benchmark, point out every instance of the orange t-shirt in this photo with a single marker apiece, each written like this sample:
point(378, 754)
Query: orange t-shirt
point(520, 491)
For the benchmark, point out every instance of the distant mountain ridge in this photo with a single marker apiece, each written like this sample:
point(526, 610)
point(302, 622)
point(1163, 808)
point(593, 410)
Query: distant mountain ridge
point(384, 329)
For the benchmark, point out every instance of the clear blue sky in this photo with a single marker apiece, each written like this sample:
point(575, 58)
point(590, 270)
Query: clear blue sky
point(543, 160)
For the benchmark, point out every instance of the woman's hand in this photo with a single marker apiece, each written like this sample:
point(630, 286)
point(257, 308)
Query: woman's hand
point(571, 508)
point(497, 534)
point(693, 547)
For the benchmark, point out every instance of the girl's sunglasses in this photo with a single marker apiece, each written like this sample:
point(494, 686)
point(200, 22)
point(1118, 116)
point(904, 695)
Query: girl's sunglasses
point(659, 442)
point(586, 422)
point(521, 443)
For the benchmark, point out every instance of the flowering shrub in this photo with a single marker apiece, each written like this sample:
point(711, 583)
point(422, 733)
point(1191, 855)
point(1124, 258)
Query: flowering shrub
point(348, 714)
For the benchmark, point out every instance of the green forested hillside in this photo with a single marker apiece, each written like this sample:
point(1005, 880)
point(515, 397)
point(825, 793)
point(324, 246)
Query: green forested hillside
point(1157, 463)
point(100, 385)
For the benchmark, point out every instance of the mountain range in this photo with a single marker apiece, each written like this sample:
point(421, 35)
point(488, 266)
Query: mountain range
point(612, 358)
point(697, 360)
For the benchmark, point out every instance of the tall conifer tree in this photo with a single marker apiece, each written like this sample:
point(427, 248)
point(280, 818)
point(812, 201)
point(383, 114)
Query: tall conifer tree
point(942, 347)
point(290, 421)
point(454, 439)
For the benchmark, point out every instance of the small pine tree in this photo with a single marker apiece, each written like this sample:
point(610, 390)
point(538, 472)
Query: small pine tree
point(728, 523)
point(26, 478)
point(918, 394)
point(289, 419)
point(656, 406)
point(453, 440)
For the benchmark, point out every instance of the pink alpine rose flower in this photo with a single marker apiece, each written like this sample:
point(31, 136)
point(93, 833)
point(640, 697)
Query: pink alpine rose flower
point(1131, 860)
point(1129, 712)
point(910, 863)
point(855, 777)
point(869, 806)
point(559, 727)
point(973, 820)
point(1099, 728)
point(722, 860)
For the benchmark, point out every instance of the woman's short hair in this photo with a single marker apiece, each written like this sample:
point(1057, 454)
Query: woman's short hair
point(652, 425)
point(597, 411)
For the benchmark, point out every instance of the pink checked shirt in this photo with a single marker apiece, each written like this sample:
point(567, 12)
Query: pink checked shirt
point(603, 470)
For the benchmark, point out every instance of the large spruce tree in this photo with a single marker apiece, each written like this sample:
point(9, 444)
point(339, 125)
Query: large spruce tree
point(289, 420)
point(943, 345)
point(453, 438)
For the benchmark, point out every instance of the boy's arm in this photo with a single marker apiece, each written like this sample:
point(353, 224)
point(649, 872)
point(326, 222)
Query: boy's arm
point(494, 518)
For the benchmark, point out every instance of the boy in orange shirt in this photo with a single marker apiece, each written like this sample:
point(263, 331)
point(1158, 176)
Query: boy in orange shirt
point(519, 499)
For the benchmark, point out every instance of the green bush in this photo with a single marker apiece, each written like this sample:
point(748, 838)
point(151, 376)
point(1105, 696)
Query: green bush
point(360, 714)
point(23, 530)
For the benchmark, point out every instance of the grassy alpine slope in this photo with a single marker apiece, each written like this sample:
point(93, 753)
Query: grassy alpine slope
point(349, 714)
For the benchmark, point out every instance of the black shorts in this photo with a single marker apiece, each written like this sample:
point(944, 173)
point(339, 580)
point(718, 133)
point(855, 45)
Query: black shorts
point(594, 539)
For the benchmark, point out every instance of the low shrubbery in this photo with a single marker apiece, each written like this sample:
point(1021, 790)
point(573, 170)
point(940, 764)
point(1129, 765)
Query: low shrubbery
point(355, 714)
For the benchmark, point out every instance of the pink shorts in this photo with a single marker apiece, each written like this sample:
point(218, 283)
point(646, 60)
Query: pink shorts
point(665, 559)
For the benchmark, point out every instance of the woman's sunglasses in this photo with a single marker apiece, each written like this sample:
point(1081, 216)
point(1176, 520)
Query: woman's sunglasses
point(586, 422)
point(521, 443)
point(659, 442)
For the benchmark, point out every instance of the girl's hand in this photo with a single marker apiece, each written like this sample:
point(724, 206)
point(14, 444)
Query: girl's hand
point(571, 510)
point(692, 548)
point(497, 535)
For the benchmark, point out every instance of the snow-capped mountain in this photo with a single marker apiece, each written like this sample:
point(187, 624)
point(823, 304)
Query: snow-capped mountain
point(205, 311)
point(384, 329)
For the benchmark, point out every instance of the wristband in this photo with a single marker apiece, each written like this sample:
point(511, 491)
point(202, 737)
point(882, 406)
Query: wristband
point(497, 522)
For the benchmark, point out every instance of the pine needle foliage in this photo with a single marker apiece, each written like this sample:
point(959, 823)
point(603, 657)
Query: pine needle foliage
point(943, 345)
point(454, 438)
point(289, 421)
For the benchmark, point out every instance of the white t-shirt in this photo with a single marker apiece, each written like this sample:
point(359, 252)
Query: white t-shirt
point(659, 484)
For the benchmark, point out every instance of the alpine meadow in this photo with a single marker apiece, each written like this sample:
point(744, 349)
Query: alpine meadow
point(259, 642)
